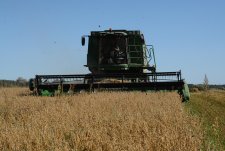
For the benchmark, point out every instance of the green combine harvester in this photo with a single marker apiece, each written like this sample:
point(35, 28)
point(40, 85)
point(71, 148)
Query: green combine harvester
point(118, 60)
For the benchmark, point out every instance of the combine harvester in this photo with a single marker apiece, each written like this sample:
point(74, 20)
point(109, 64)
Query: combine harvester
point(117, 60)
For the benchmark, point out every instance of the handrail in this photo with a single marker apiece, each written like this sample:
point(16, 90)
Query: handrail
point(147, 54)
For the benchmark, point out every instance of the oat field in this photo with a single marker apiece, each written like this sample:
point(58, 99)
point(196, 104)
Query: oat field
point(96, 121)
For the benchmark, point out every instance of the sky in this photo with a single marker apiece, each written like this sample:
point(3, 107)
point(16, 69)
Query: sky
point(44, 36)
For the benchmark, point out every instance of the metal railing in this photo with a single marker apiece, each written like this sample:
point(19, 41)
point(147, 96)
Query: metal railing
point(140, 54)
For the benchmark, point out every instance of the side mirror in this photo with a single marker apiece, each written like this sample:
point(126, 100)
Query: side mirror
point(83, 40)
point(142, 39)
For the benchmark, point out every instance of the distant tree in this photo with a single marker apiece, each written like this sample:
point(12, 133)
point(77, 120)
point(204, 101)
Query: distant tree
point(21, 81)
point(206, 83)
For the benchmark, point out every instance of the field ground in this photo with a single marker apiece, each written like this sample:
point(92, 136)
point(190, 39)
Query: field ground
point(210, 108)
point(111, 121)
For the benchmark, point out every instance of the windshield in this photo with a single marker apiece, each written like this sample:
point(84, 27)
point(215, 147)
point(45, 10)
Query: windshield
point(113, 49)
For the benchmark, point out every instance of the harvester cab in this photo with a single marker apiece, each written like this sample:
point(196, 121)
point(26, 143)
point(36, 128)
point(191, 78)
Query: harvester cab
point(119, 51)
point(117, 60)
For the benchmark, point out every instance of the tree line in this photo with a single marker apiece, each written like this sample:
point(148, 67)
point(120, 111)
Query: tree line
point(202, 87)
point(205, 86)
point(19, 82)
